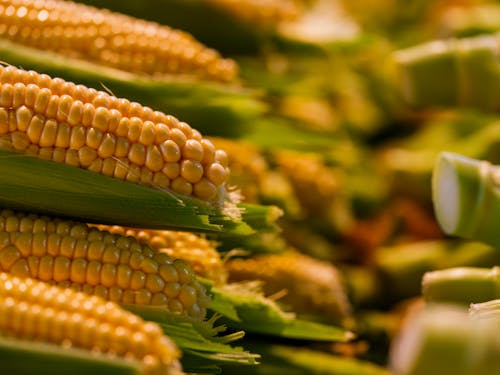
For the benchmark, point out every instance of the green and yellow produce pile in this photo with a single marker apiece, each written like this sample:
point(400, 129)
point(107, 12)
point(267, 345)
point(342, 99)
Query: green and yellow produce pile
point(250, 187)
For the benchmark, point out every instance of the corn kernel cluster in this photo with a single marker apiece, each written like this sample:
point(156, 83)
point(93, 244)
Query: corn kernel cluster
point(196, 250)
point(34, 310)
point(114, 267)
point(86, 128)
point(308, 285)
point(110, 38)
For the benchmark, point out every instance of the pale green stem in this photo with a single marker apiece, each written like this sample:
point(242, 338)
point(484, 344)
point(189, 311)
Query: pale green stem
point(453, 72)
point(444, 340)
point(462, 285)
point(466, 196)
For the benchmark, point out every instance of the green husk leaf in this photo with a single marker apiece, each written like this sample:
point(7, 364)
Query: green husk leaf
point(245, 308)
point(36, 185)
point(211, 108)
point(30, 357)
point(200, 339)
point(281, 359)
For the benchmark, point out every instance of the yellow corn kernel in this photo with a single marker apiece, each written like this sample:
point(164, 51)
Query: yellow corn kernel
point(315, 184)
point(196, 250)
point(110, 136)
point(95, 260)
point(64, 318)
point(120, 41)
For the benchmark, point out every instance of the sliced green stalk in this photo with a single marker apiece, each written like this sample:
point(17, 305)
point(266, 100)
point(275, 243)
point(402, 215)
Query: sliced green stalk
point(36, 185)
point(454, 72)
point(462, 285)
point(466, 197)
point(401, 268)
point(443, 340)
point(216, 109)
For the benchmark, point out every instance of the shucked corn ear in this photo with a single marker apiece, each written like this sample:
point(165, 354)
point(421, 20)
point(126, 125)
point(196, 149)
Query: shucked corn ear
point(316, 186)
point(309, 286)
point(91, 129)
point(32, 311)
point(111, 266)
point(196, 250)
point(111, 39)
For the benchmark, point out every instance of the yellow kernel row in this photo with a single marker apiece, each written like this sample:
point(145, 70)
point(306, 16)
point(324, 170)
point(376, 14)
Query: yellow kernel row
point(110, 38)
point(53, 258)
point(34, 310)
point(200, 253)
point(103, 139)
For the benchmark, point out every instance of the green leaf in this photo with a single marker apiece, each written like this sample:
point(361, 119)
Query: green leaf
point(200, 340)
point(245, 308)
point(30, 357)
point(36, 185)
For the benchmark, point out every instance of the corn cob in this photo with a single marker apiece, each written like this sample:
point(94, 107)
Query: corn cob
point(466, 197)
point(316, 185)
point(309, 285)
point(114, 267)
point(111, 39)
point(196, 250)
point(462, 285)
point(247, 164)
point(70, 123)
point(32, 310)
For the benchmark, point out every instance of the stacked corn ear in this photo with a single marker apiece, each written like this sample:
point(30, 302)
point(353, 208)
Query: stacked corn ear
point(111, 266)
point(195, 249)
point(253, 23)
point(111, 39)
point(76, 126)
point(144, 61)
point(44, 326)
point(308, 286)
point(64, 122)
